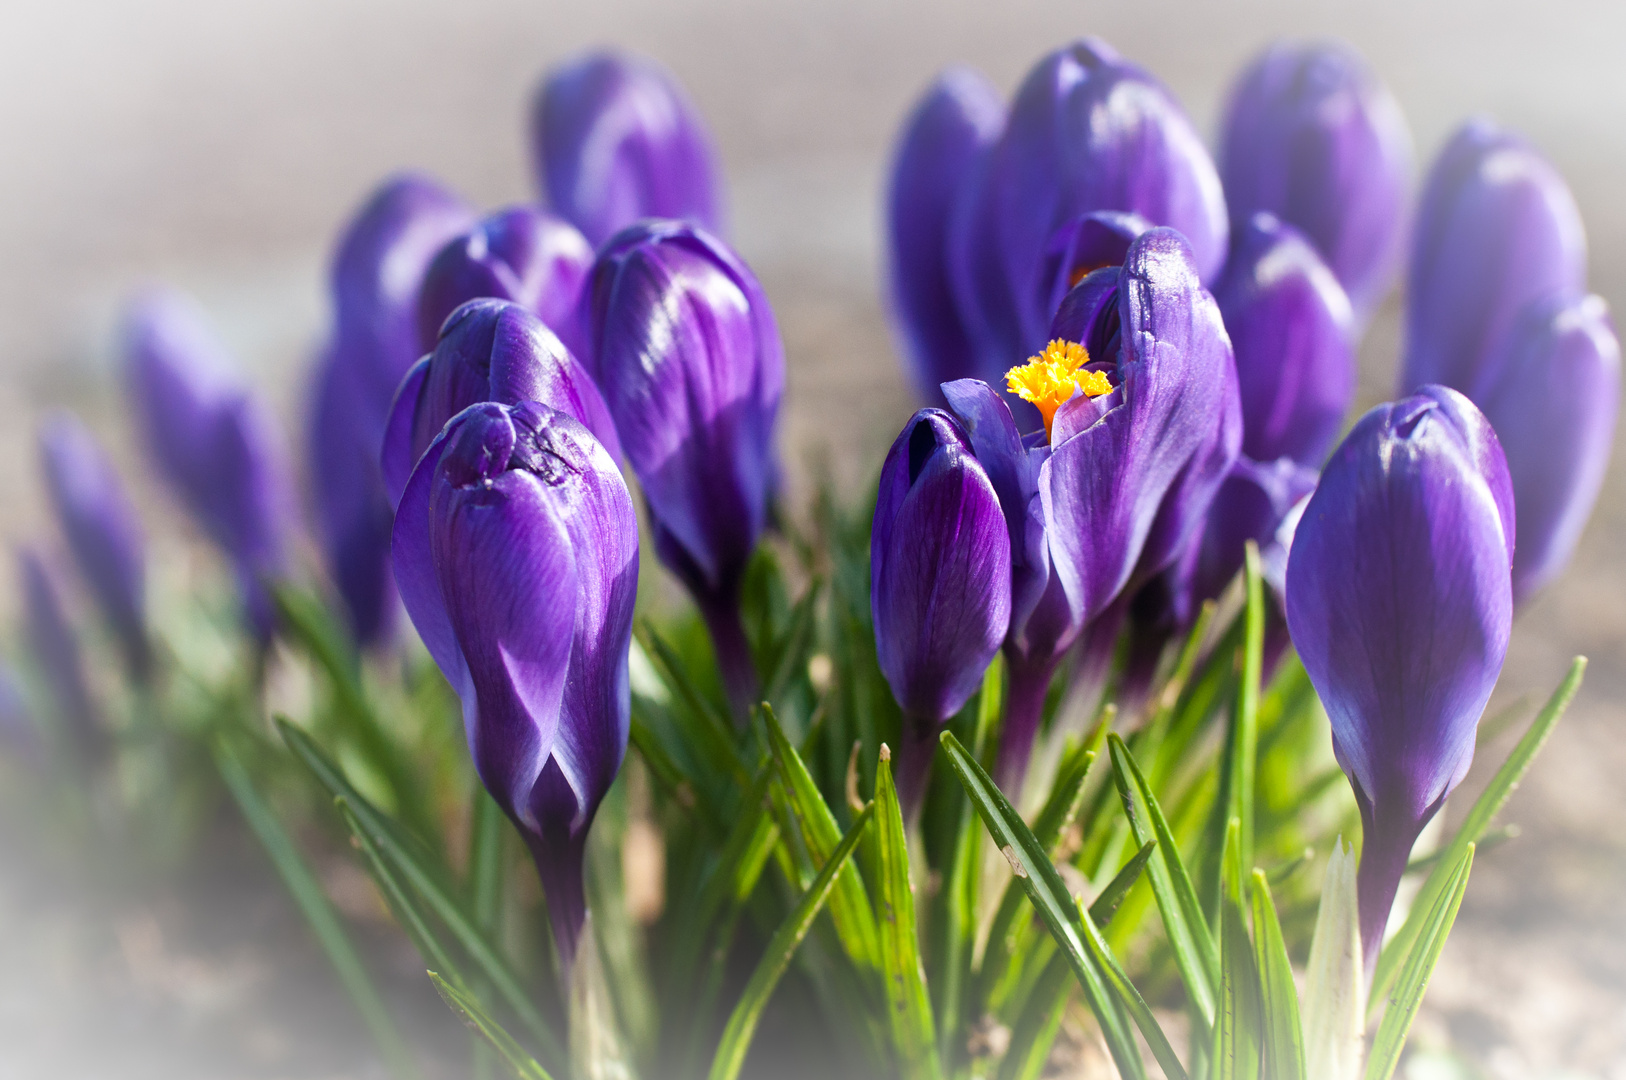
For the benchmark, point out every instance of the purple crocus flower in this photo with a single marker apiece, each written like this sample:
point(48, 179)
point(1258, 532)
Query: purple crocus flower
point(949, 130)
point(1552, 392)
point(55, 648)
point(1292, 331)
point(1087, 131)
point(516, 551)
point(489, 350)
point(529, 256)
point(1083, 246)
point(1139, 393)
point(615, 139)
point(102, 531)
point(1497, 230)
point(940, 582)
point(377, 272)
point(1399, 600)
point(213, 441)
point(1312, 136)
point(688, 355)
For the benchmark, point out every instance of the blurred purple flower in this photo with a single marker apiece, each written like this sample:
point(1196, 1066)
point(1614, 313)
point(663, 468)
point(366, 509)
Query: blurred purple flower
point(615, 139)
point(1313, 137)
point(490, 350)
point(688, 355)
point(1399, 600)
point(51, 640)
point(1293, 334)
point(516, 550)
point(102, 531)
point(940, 583)
point(213, 442)
point(529, 256)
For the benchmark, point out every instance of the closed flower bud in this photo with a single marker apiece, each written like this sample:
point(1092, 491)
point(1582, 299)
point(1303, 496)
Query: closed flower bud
point(1312, 136)
point(946, 135)
point(940, 582)
point(615, 139)
point(102, 531)
point(376, 275)
point(1087, 131)
point(688, 355)
point(531, 257)
point(55, 649)
point(1497, 229)
point(213, 442)
point(516, 552)
point(1399, 601)
point(489, 350)
point(1083, 246)
point(1293, 335)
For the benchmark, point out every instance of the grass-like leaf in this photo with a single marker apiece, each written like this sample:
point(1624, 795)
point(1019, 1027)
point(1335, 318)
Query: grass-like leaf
point(1407, 997)
point(1194, 950)
point(908, 1003)
point(1474, 825)
point(318, 911)
point(524, 1065)
point(1334, 1009)
point(1236, 1027)
point(1050, 899)
point(1243, 757)
point(1282, 1035)
point(742, 1022)
point(704, 727)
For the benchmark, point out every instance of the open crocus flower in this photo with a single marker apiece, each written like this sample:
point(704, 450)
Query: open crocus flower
point(1087, 131)
point(213, 442)
point(940, 583)
point(102, 531)
point(688, 355)
point(529, 256)
point(489, 350)
point(1138, 391)
point(1292, 331)
point(377, 270)
point(943, 139)
point(1399, 601)
point(516, 551)
point(615, 139)
point(1313, 137)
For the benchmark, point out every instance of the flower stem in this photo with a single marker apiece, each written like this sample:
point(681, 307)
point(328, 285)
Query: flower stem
point(734, 661)
point(1024, 710)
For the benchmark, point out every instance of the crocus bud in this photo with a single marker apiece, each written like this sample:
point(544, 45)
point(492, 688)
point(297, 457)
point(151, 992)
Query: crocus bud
point(531, 257)
point(1551, 392)
point(688, 355)
point(213, 442)
point(1087, 131)
point(615, 139)
point(55, 648)
point(1312, 136)
point(102, 531)
point(1497, 230)
point(1083, 246)
point(489, 350)
point(949, 130)
point(516, 551)
point(1399, 601)
point(940, 582)
point(376, 276)
point(1293, 334)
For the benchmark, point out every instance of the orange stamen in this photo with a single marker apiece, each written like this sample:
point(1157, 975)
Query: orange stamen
point(1051, 378)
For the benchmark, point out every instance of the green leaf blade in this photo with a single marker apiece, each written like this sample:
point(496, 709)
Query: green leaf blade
point(474, 1015)
point(908, 1002)
point(1283, 1033)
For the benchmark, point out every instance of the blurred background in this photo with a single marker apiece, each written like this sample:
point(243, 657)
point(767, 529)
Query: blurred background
point(219, 147)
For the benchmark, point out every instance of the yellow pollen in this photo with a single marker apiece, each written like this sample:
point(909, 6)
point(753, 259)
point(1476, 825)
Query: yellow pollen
point(1049, 379)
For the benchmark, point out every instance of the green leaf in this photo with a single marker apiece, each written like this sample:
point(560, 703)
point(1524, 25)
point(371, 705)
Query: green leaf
point(795, 645)
point(1236, 1027)
point(1243, 755)
point(524, 1065)
point(849, 904)
point(1129, 997)
point(908, 1003)
point(1334, 1008)
point(1050, 899)
point(742, 1022)
point(1474, 825)
point(1283, 1037)
point(1407, 997)
point(318, 911)
point(705, 729)
point(1037, 1026)
point(430, 885)
point(1194, 951)
point(1106, 904)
